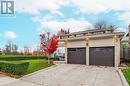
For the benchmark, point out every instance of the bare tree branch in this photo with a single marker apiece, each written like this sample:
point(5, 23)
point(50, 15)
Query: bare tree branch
point(104, 25)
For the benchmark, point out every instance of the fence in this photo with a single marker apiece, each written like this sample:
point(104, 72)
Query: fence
point(125, 53)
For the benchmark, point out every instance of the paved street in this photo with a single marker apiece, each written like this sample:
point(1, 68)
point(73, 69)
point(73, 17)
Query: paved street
point(70, 75)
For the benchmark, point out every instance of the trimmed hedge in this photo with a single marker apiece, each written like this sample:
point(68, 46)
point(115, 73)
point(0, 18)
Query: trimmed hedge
point(14, 68)
point(17, 58)
point(26, 58)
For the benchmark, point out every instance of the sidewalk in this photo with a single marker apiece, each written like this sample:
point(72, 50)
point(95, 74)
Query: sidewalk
point(5, 79)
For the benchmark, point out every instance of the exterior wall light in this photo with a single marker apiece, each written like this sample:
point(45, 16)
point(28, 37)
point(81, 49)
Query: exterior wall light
point(115, 38)
point(87, 41)
point(66, 42)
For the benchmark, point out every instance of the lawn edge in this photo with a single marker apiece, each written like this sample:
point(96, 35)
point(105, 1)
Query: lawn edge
point(122, 77)
point(38, 71)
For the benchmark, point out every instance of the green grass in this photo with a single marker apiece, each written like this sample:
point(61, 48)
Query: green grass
point(9, 56)
point(24, 57)
point(126, 73)
point(20, 57)
point(35, 63)
point(128, 64)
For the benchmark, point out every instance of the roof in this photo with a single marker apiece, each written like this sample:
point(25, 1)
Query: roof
point(90, 31)
point(93, 33)
point(120, 34)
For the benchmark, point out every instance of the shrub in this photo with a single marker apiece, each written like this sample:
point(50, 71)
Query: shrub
point(55, 59)
point(17, 58)
point(15, 68)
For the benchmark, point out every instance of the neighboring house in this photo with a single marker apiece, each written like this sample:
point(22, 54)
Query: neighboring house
point(126, 38)
point(93, 47)
point(125, 41)
point(124, 47)
point(125, 50)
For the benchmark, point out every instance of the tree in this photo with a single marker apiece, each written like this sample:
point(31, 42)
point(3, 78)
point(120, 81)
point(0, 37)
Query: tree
point(63, 32)
point(67, 31)
point(10, 48)
point(124, 46)
point(26, 50)
point(14, 49)
point(48, 45)
point(104, 25)
point(7, 49)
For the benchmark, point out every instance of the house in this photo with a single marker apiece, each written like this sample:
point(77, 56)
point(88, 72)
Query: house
point(93, 47)
point(126, 38)
point(126, 45)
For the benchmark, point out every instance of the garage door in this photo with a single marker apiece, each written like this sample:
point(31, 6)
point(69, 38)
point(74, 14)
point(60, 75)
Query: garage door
point(103, 56)
point(76, 55)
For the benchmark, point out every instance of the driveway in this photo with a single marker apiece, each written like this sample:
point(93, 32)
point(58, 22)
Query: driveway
point(71, 75)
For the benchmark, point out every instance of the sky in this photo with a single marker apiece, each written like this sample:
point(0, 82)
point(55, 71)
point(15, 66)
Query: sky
point(35, 16)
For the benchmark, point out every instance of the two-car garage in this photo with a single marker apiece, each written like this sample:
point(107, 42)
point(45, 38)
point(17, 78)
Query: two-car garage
point(103, 56)
point(93, 47)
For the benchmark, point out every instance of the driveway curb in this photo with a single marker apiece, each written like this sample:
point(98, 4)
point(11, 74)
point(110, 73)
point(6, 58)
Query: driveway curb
point(123, 80)
point(38, 71)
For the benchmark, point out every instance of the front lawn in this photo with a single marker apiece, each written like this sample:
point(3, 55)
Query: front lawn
point(126, 73)
point(20, 57)
point(13, 64)
point(35, 65)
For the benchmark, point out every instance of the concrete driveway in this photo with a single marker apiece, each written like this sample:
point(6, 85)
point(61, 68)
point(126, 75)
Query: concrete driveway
point(71, 75)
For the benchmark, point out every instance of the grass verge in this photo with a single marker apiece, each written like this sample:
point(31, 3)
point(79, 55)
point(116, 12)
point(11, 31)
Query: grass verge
point(34, 65)
point(126, 73)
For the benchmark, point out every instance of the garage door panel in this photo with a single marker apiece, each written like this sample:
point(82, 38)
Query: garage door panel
point(103, 56)
point(76, 55)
